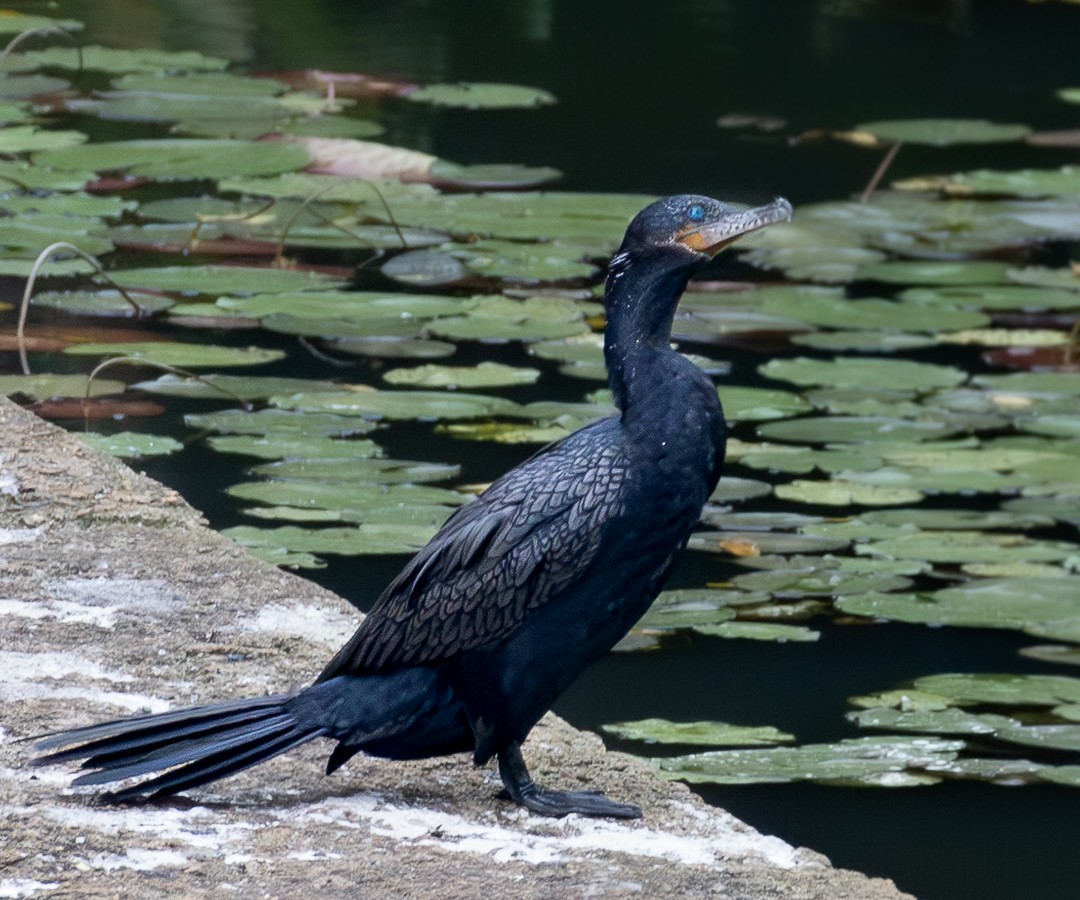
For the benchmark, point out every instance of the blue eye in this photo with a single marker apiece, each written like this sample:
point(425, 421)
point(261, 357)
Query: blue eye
point(697, 213)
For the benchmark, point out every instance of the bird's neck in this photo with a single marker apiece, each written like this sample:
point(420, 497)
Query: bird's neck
point(640, 297)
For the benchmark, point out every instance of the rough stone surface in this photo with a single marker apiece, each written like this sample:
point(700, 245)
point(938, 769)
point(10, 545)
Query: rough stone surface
point(115, 597)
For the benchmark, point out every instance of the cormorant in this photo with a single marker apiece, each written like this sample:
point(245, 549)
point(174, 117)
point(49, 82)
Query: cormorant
point(518, 591)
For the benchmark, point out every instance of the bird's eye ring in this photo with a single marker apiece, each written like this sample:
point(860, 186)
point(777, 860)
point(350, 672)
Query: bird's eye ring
point(697, 213)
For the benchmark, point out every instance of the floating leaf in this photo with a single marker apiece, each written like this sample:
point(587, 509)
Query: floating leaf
point(486, 374)
point(759, 631)
point(26, 87)
point(855, 372)
point(846, 493)
point(278, 422)
point(28, 138)
point(830, 309)
point(944, 132)
point(175, 353)
point(1067, 278)
point(294, 445)
point(360, 540)
point(716, 734)
point(481, 95)
point(42, 387)
point(400, 404)
point(129, 445)
point(224, 279)
point(1047, 607)
point(94, 56)
point(764, 542)
point(354, 467)
point(967, 546)
point(360, 497)
point(102, 303)
point(854, 429)
point(912, 272)
point(13, 22)
point(179, 158)
point(230, 387)
point(751, 404)
point(879, 761)
point(993, 297)
point(1011, 690)
point(341, 304)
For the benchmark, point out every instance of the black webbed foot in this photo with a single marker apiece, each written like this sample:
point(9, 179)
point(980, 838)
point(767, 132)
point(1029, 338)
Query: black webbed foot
point(523, 790)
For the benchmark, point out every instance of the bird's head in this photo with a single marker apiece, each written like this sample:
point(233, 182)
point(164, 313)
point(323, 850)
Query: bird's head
point(699, 226)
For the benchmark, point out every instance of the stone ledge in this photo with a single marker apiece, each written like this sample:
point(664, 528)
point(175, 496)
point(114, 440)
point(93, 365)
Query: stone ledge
point(116, 597)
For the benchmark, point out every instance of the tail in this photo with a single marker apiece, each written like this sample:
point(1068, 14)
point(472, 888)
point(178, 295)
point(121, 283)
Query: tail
point(405, 714)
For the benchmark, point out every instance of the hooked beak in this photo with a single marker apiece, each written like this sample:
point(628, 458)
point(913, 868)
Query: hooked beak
point(712, 237)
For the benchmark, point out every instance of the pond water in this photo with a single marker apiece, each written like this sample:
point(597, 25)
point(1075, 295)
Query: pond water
point(640, 88)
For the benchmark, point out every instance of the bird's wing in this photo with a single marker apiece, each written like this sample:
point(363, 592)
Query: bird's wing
point(525, 539)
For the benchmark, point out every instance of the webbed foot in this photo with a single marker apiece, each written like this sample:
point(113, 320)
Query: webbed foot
point(524, 791)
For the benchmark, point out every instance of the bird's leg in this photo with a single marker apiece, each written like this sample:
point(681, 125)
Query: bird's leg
point(524, 791)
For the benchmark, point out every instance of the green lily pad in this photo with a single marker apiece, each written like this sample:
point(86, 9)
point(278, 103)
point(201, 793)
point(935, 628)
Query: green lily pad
point(1032, 382)
point(226, 387)
point(863, 341)
point(176, 353)
point(224, 279)
point(732, 489)
point(226, 84)
point(31, 177)
point(1007, 689)
point(846, 493)
point(400, 404)
point(485, 374)
point(25, 87)
point(360, 497)
point(519, 262)
point(28, 138)
point(357, 467)
point(931, 272)
point(392, 347)
point(365, 539)
point(13, 22)
point(1039, 276)
point(43, 387)
point(293, 445)
point(994, 297)
point(884, 761)
point(129, 445)
point(481, 95)
point(764, 542)
point(967, 547)
point(799, 583)
point(179, 158)
point(865, 374)
point(716, 734)
point(1063, 182)
point(759, 631)
point(94, 56)
point(1055, 653)
point(1069, 775)
point(1046, 607)
point(342, 304)
point(754, 404)
point(102, 303)
point(854, 430)
point(829, 309)
point(957, 519)
point(944, 132)
point(279, 422)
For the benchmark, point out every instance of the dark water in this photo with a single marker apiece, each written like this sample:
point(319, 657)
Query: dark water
point(640, 88)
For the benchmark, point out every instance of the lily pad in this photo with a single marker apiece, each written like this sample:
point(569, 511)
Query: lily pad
point(854, 430)
point(224, 279)
point(365, 539)
point(294, 445)
point(855, 372)
point(759, 631)
point(846, 493)
point(176, 353)
point(102, 303)
point(108, 59)
point(129, 445)
point(716, 734)
point(967, 546)
point(179, 158)
point(399, 404)
point(481, 95)
point(29, 138)
point(831, 310)
point(485, 374)
point(43, 387)
point(355, 467)
point(1008, 689)
point(279, 423)
point(753, 404)
point(1045, 607)
point(342, 304)
point(882, 761)
point(944, 132)
point(1066, 278)
point(226, 387)
point(929, 272)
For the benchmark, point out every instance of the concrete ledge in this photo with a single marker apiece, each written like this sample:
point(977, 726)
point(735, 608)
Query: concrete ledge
point(116, 597)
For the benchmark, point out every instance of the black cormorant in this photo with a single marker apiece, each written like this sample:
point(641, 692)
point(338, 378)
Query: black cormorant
point(519, 590)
